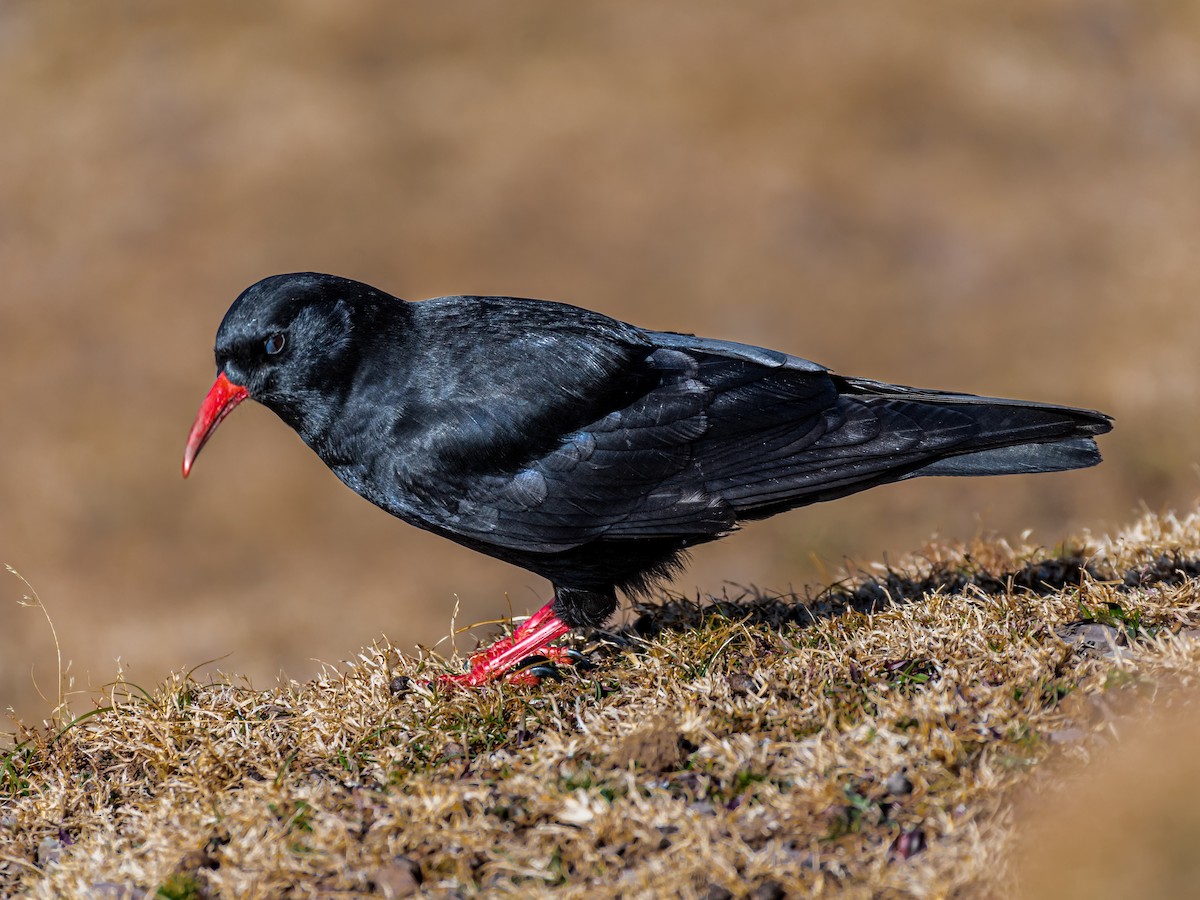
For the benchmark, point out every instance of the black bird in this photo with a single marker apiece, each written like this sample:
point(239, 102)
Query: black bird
point(582, 448)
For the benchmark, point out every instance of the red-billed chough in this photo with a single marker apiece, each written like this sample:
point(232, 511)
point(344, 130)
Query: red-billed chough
point(584, 449)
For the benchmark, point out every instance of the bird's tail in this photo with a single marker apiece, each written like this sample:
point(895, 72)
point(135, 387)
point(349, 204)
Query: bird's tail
point(1012, 437)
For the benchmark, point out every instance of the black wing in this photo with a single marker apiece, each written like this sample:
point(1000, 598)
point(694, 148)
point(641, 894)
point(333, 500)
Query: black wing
point(726, 431)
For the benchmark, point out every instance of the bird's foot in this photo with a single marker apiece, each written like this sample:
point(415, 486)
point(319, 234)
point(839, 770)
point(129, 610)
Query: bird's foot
point(525, 657)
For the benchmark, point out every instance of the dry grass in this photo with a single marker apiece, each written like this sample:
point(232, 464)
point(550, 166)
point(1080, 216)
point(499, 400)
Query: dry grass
point(870, 740)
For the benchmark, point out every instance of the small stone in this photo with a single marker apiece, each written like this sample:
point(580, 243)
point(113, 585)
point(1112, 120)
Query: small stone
point(741, 684)
point(400, 685)
point(48, 851)
point(400, 879)
point(898, 784)
point(1094, 638)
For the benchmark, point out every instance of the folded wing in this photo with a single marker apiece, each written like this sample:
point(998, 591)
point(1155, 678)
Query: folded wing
point(727, 432)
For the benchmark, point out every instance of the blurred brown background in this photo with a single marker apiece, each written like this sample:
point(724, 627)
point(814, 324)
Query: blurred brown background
point(998, 198)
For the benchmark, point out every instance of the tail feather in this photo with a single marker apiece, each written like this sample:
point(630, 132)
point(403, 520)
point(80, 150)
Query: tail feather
point(1012, 437)
point(1085, 421)
point(1018, 459)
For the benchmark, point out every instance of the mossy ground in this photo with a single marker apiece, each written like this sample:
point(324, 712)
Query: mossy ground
point(869, 739)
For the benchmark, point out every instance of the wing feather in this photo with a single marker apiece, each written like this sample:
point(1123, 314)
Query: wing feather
point(720, 432)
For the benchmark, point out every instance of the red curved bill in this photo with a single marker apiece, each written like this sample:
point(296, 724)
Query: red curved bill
point(222, 398)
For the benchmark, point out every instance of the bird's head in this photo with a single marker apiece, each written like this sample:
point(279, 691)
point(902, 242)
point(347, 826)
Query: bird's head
point(290, 342)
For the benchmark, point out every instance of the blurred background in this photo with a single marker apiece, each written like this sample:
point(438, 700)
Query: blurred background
point(994, 198)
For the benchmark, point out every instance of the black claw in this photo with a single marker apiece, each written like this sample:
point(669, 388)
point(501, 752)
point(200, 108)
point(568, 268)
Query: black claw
point(546, 670)
point(579, 661)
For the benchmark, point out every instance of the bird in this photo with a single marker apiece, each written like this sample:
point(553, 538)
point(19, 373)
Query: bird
point(584, 449)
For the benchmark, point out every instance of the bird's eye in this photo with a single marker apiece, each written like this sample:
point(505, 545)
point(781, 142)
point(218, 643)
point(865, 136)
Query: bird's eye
point(273, 344)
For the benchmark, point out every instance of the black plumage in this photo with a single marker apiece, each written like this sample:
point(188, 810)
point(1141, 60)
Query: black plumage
point(582, 448)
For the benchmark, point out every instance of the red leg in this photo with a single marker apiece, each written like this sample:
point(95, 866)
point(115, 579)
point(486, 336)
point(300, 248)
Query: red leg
point(531, 638)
